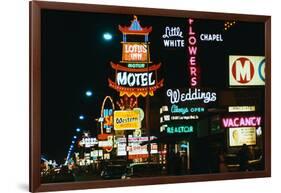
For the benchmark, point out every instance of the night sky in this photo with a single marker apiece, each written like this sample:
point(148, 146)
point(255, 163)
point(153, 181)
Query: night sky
point(75, 58)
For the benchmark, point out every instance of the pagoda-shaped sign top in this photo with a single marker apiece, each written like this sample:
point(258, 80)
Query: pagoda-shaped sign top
point(135, 28)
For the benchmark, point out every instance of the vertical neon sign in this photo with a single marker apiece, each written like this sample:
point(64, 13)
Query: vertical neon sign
point(193, 69)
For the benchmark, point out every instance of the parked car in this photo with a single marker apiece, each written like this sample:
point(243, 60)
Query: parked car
point(114, 171)
point(144, 170)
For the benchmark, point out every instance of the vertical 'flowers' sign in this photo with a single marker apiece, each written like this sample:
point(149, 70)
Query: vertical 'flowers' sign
point(193, 69)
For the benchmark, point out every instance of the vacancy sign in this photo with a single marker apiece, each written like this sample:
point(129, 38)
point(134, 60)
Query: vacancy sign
point(246, 70)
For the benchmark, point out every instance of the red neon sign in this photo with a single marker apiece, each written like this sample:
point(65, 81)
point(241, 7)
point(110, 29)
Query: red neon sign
point(192, 51)
point(252, 121)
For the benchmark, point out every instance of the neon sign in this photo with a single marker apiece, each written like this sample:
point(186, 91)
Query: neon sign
point(135, 75)
point(185, 110)
point(179, 129)
point(252, 121)
point(211, 37)
point(192, 51)
point(177, 95)
point(173, 32)
point(135, 79)
point(106, 118)
point(134, 51)
point(136, 65)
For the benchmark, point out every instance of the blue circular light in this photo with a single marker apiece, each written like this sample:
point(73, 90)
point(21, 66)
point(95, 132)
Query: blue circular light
point(89, 93)
point(75, 137)
point(78, 129)
point(73, 142)
point(81, 117)
point(107, 36)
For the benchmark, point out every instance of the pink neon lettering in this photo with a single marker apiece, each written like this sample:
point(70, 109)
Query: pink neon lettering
point(192, 40)
point(192, 51)
point(190, 31)
point(193, 71)
point(193, 81)
point(242, 121)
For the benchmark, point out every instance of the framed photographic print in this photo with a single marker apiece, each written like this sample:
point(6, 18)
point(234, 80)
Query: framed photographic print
point(124, 96)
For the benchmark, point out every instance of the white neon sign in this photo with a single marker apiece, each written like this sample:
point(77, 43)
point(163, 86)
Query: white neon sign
point(177, 96)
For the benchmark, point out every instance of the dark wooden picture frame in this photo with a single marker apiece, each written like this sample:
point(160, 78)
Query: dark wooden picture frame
point(36, 8)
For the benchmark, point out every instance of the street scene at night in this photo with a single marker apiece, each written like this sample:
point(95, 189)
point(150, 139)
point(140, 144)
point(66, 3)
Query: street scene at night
point(133, 96)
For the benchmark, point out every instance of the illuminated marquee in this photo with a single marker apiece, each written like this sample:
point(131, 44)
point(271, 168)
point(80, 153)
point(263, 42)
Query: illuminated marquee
point(246, 70)
point(106, 144)
point(127, 120)
point(135, 52)
point(241, 108)
point(106, 118)
point(88, 142)
point(252, 121)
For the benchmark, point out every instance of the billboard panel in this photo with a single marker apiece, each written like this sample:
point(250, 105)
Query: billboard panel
point(246, 70)
point(242, 135)
point(127, 120)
